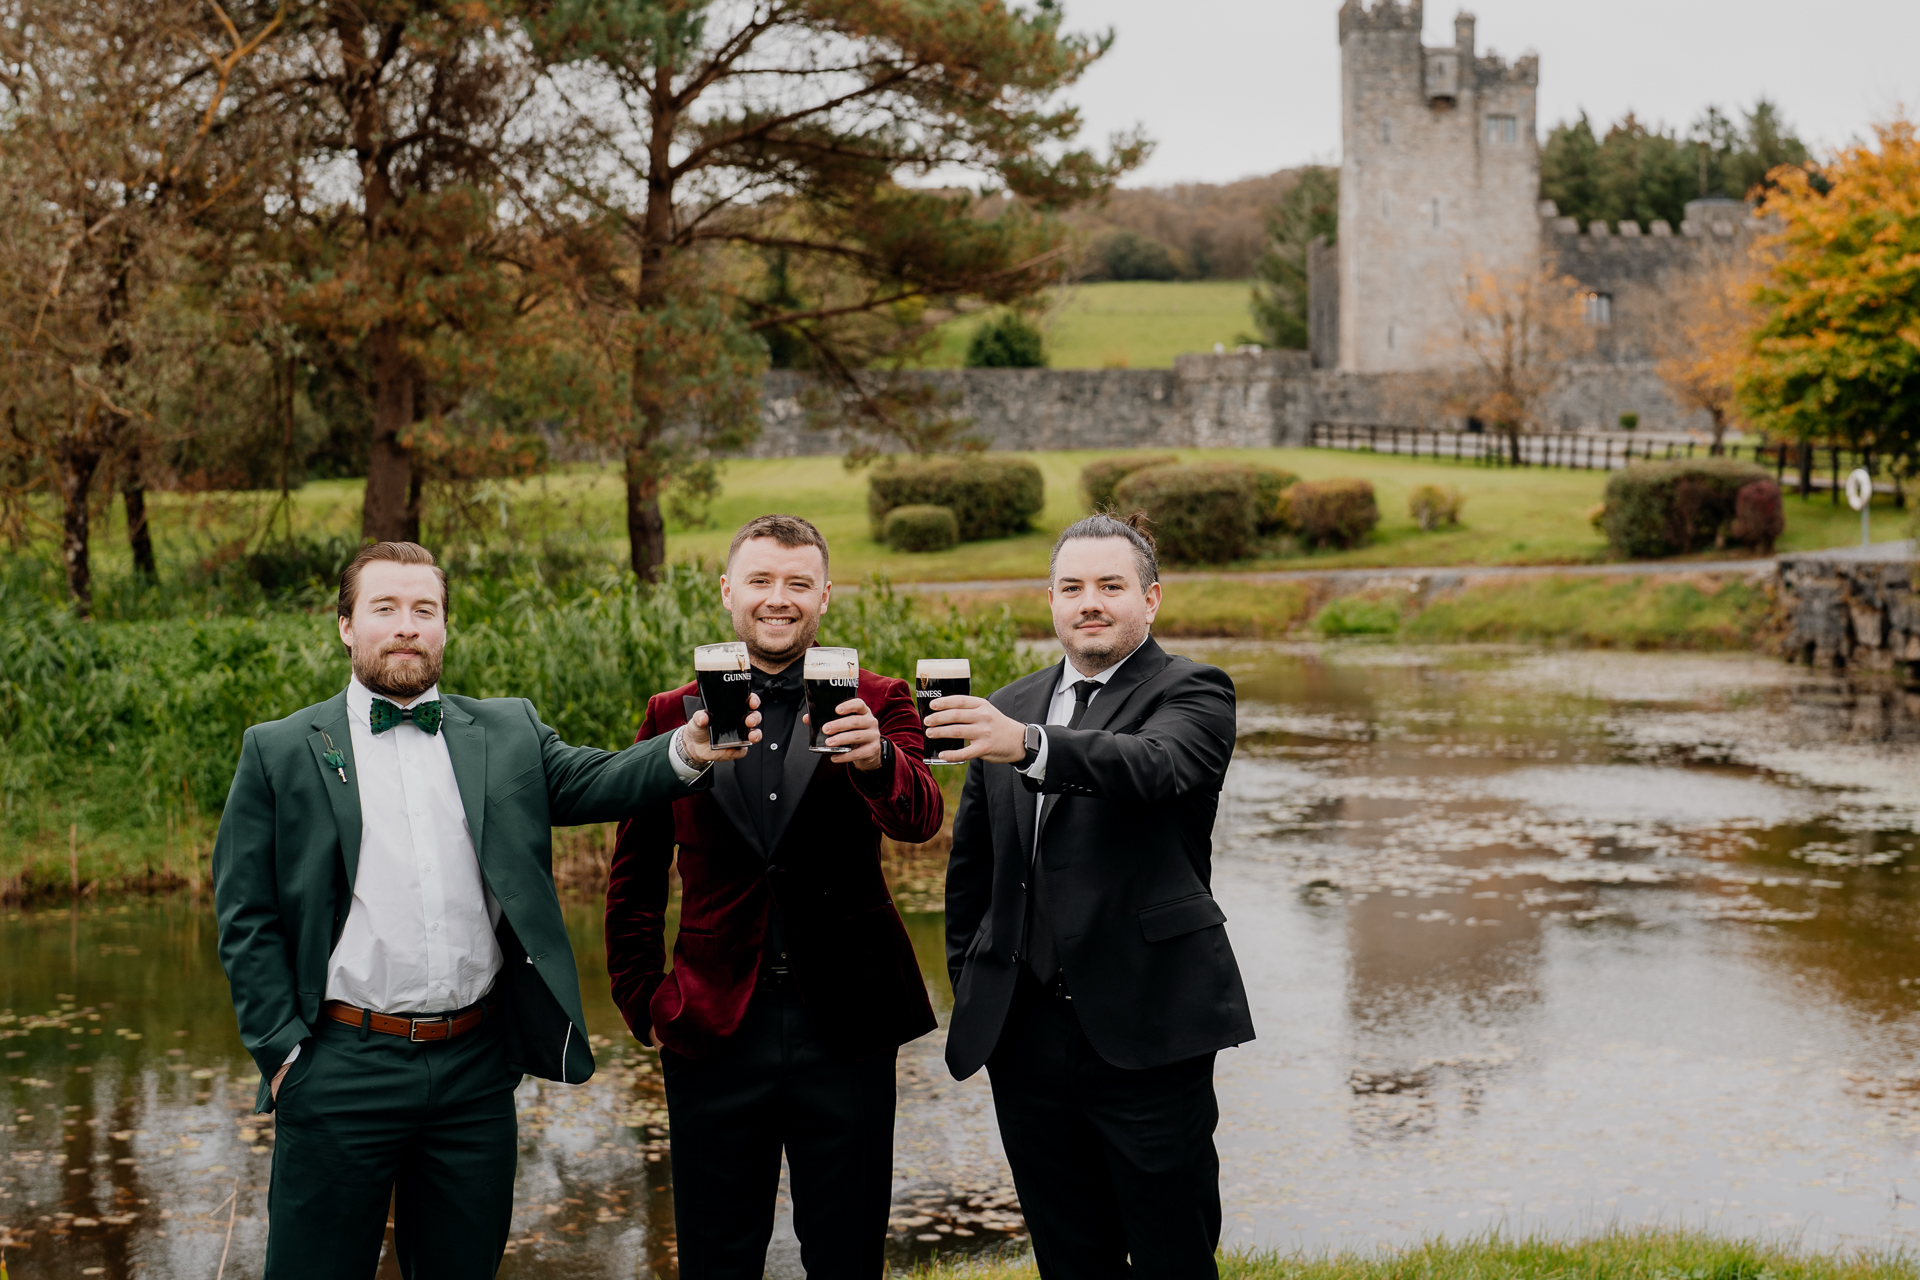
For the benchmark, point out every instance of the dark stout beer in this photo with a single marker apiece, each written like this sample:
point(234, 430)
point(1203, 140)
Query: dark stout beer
point(940, 678)
point(832, 677)
point(726, 682)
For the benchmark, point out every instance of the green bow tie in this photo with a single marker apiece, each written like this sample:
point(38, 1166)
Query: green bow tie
point(384, 716)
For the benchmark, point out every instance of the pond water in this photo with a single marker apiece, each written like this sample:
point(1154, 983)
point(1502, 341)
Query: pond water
point(1533, 939)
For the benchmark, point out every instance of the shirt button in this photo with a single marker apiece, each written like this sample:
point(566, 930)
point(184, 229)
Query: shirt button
point(773, 746)
point(773, 795)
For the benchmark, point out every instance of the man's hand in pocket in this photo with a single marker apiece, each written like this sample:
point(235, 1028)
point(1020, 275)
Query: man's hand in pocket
point(273, 1089)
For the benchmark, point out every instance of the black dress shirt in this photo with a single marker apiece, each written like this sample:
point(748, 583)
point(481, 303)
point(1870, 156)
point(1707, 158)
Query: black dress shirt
point(782, 696)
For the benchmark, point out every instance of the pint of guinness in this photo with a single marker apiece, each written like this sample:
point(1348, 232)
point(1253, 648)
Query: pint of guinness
point(940, 678)
point(832, 677)
point(726, 682)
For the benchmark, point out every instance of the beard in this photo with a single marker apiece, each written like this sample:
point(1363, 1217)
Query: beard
point(1096, 653)
point(399, 678)
point(799, 640)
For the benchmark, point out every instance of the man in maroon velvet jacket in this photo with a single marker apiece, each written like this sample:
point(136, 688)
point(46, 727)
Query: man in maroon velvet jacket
point(793, 981)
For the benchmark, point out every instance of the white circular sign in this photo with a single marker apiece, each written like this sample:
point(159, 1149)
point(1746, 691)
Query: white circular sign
point(1859, 489)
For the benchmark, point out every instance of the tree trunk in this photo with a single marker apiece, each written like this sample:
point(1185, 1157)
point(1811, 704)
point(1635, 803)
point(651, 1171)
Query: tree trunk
point(133, 492)
point(1513, 446)
point(1805, 460)
point(76, 460)
point(386, 514)
point(646, 529)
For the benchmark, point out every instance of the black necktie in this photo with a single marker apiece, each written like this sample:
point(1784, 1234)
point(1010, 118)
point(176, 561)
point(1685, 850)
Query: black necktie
point(1042, 957)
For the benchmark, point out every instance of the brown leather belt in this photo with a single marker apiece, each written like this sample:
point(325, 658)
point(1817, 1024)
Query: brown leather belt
point(441, 1027)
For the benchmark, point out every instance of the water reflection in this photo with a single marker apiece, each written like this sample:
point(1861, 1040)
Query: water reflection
point(1553, 939)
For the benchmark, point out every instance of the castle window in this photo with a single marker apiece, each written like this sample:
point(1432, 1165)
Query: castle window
point(1599, 309)
point(1386, 131)
point(1389, 337)
point(1436, 212)
point(1502, 131)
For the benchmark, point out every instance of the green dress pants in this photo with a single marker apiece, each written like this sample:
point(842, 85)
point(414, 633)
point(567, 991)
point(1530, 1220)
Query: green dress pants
point(365, 1118)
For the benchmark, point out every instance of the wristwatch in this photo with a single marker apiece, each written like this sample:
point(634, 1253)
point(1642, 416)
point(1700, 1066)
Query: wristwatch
point(1034, 739)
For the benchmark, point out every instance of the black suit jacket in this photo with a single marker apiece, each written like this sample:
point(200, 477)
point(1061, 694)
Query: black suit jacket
point(1127, 836)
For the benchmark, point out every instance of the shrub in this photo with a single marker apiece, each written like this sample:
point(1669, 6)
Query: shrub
point(922, 528)
point(1628, 421)
point(1670, 508)
point(1272, 511)
point(1433, 505)
point(1333, 513)
point(1758, 516)
point(1007, 342)
point(1099, 477)
point(990, 496)
point(1354, 616)
point(1128, 255)
point(1200, 514)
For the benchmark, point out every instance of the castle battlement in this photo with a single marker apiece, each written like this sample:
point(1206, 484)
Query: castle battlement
point(1707, 220)
point(1385, 15)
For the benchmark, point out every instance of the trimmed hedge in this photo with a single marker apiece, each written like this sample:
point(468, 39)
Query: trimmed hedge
point(1099, 478)
point(1200, 514)
point(1759, 517)
point(922, 528)
point(1433, 505)
point(1333, 513)
point(1273, 512)
point(990, 496)
point(1670, 508)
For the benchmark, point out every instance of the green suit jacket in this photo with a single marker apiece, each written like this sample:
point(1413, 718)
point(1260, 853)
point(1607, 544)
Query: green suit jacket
point(289, 847)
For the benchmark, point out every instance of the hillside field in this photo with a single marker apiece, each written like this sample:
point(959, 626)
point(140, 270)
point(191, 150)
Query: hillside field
point(1131, 324)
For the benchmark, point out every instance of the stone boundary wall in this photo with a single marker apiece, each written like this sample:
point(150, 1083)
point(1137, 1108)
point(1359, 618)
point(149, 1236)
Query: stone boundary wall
point(1850, 607)
point(1236, 400)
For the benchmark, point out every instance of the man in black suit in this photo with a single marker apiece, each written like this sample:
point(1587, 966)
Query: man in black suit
point(1091, 970)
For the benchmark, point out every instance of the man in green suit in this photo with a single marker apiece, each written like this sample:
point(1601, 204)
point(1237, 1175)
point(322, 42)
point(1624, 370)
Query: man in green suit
point(389, 925)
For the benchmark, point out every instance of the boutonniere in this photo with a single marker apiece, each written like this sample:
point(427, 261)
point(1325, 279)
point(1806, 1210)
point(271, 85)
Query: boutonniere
point(335, 761)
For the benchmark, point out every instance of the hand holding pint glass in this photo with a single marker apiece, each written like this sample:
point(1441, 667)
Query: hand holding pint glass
point(832, 677)
point(934, 679)
point(725, 729)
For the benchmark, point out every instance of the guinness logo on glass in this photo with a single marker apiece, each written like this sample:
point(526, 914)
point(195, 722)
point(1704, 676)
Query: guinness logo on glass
point(726, 682)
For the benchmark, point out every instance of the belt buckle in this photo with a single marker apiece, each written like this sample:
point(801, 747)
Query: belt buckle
point(414, 1025)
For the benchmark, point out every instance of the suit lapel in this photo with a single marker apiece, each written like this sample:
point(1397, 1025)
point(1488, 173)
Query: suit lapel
point(795, 776)
point(1142, 665)
point(1029, 706)
point(330, 722)
point(467, 748)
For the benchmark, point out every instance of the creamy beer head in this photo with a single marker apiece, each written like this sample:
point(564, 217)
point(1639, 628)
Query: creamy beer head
point(943, 669)
point(832, 664)
point(731, 656)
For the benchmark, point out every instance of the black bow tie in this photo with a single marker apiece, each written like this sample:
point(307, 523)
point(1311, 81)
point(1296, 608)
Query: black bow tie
point(783, 685)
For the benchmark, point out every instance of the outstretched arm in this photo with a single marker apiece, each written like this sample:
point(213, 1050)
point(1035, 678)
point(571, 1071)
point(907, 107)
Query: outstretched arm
point(1183, 746)
point(253, 946)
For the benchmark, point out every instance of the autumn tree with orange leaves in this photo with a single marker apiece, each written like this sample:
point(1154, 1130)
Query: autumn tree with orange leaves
point(1519, 330)
point(1710, 326)
point(1836, 354)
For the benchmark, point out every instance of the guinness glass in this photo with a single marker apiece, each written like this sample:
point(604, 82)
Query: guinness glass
point(726, 682)
point(832, 677)
point(940, 678)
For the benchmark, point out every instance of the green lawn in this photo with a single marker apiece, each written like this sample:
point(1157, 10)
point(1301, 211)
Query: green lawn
point(1131, 324)
point(1523, 516)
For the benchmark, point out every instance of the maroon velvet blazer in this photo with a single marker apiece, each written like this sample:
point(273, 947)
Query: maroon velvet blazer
point(848, 950)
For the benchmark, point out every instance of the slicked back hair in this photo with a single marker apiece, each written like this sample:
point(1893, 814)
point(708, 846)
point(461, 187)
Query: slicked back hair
point(1104, 524)
point(788, 531)
point(397, 553)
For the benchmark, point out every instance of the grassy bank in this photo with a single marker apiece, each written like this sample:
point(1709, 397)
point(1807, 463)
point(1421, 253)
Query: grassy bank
point(118, 739)
point(1122, 324)
point(1530, 516)
point(1700, 612)
point(1637, 1255)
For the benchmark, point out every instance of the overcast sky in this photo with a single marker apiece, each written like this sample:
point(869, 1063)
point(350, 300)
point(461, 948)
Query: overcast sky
point(1230, 88)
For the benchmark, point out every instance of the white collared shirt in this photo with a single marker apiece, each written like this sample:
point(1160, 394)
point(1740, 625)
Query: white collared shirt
point(1059, 711)
point(419, 934)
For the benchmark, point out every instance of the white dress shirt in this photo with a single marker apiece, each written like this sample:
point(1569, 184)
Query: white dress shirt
point(1059, 711)
point(419, 936)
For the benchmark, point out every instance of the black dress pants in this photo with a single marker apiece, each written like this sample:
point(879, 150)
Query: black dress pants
point(773, 1086)
point(1116, 1169)
point(430, 1126)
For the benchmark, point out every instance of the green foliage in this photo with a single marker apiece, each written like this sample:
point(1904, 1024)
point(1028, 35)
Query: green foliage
point(1205, 514)
point(1671, 508)
point(1358, 616)
point(1600, 613)
point(1837, 355)
point(990, 495)
point(1640, 174)
point(133, 728)
point(1309, 210)
point(1273, 511)
point(1433, 505)
point(1333, 513)
point(1649, 1254)
point(921, 528)
point(1629, 421)
point(1128, 255)
point(1098, 478)
point(1008, 342)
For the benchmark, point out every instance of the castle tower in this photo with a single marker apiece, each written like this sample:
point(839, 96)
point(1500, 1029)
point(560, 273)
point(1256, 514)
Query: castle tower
point(1439, 171)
